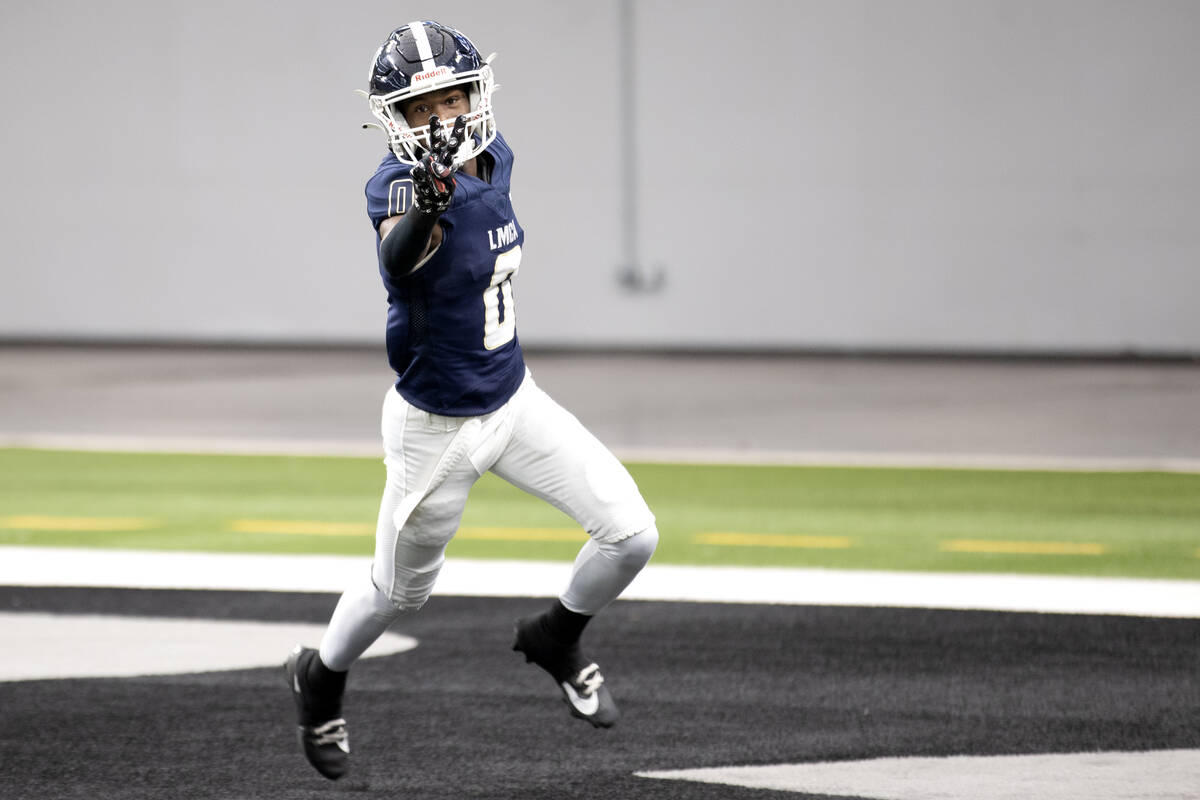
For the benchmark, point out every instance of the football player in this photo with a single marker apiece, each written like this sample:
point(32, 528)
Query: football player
point(463, 403)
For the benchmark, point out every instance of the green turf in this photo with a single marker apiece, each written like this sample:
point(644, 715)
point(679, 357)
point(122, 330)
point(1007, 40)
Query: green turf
point(1148, 523)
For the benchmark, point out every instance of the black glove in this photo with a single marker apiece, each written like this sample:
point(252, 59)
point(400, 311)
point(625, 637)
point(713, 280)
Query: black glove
point(433, 175)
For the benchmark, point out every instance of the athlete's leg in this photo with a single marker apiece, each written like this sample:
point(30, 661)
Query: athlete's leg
point(362, 615)
point(428, 479)
point(604, 569)
point(429, 476)
point(552, 455)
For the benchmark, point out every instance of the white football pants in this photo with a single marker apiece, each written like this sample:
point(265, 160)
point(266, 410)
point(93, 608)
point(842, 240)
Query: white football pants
point(432, 463)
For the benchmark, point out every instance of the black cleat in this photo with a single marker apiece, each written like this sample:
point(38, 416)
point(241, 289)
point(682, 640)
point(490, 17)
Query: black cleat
point(579, 679)
point(324, 740)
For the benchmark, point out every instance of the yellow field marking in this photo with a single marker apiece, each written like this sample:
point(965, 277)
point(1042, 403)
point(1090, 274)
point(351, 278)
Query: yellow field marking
point(1024, 548)
point(474, 532)
point(39, 522)
point(301, 527)
point(775, 540)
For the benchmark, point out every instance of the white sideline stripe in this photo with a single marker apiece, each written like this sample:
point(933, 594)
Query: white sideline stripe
point(48, 566)
point(1158, 774)
point(661, 455)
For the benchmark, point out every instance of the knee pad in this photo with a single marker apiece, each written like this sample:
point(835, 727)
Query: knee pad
point(411, 587)
point(408, 580)
point(633, 551)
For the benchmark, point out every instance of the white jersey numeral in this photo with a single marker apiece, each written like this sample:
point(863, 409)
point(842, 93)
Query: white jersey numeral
point(499, 311)
point(399, 196)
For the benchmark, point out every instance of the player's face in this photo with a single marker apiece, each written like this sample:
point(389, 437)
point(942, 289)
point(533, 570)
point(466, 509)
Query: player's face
point(445, 103)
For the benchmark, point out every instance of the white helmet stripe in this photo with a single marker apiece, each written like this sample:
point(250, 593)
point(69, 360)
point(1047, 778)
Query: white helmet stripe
point(422, 42)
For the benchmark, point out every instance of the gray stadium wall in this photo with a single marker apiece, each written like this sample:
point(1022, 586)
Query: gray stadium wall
point(950, 175)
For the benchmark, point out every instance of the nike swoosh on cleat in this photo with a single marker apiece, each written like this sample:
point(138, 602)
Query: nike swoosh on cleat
point(584, 705)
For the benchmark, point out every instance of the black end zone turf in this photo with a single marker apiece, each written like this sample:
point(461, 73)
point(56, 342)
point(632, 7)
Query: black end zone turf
point(699, 684)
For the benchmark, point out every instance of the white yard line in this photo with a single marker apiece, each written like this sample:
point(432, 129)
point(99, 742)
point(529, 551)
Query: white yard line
point(1153, 775)
point(46, 566)
point(40, 645)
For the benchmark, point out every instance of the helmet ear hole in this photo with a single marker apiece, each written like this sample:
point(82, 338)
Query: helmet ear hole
point(396, 111)
point(473, 95)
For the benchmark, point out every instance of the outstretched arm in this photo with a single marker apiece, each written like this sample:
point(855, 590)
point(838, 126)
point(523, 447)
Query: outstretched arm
point(408, 239)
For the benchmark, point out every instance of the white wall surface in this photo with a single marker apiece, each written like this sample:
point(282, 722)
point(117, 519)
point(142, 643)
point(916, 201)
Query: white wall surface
point(933, 174)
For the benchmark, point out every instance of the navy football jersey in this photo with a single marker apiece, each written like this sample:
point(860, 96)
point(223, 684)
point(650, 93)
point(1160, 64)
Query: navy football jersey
point(451, 325)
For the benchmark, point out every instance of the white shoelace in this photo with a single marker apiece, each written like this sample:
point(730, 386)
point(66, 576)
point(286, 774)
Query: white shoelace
point(589, 679)
point(331, 732)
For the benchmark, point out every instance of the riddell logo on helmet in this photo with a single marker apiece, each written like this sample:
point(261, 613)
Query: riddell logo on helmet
point(432, 74)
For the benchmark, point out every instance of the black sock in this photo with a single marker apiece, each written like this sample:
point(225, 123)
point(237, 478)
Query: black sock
point(326, 683)
point(564, 625)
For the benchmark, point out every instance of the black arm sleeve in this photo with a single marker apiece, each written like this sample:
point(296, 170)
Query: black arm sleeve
point(401, 250)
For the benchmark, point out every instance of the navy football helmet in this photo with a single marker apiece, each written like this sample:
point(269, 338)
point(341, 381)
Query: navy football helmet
point(421, 57)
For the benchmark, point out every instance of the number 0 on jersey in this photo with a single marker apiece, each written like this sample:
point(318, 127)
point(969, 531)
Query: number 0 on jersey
point(499, 311)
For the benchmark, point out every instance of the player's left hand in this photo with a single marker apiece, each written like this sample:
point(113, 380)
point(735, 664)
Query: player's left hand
point(433, 175)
